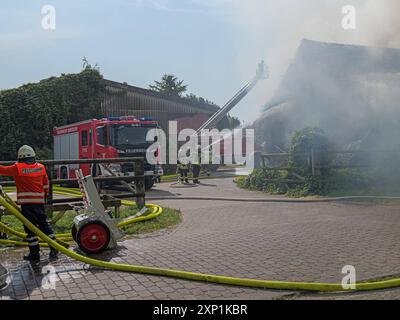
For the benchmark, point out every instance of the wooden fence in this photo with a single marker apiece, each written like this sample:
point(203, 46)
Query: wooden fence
point(337, 159)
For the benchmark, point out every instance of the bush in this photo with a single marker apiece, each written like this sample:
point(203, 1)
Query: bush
point(258, 180)
point(30, 112)
point(312, 186)
point(301, 145)
point(333, 182)
point(337, 182)
point(348, 181)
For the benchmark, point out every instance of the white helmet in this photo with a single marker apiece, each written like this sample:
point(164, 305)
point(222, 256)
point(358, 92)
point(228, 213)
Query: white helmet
point(26, 152)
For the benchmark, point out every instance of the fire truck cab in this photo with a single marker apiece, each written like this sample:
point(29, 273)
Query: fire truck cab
point(111, 137)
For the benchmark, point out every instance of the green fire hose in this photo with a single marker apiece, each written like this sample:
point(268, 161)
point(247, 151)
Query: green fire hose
point(156, 210)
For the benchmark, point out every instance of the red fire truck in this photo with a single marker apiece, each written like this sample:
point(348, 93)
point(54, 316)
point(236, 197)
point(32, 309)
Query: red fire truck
point(111, 137)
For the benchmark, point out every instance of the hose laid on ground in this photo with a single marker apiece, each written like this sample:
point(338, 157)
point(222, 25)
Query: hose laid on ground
point(314, 200)
point(325, 287)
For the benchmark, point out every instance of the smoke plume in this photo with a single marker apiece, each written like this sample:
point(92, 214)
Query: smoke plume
point(274, 30)
point(350, 91)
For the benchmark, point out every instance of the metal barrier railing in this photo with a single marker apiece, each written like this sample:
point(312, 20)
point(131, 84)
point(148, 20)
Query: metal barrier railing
point(54, 204)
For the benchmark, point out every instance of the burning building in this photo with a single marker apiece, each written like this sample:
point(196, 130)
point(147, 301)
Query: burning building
point(352, 92)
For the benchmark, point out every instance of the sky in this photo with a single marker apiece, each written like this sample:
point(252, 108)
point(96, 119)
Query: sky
point(213, 45)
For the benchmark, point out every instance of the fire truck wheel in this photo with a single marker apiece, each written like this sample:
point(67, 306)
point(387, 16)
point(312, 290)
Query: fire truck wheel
point(95, 170)
point(93, 237)
point(148, 183)
point(64, 175)
point(63, 172)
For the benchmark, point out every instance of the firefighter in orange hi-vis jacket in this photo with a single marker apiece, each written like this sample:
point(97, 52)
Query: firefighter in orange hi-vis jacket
point(32, 187)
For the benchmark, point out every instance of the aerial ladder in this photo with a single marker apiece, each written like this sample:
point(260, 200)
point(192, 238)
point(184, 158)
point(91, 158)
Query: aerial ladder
point(261, 74)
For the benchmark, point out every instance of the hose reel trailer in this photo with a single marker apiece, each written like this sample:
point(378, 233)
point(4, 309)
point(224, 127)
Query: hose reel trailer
point(94, 228)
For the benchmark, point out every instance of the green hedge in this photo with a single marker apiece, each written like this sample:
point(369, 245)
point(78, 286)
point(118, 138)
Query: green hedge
point(29, 113)
point(338, 182)
point(258, 180)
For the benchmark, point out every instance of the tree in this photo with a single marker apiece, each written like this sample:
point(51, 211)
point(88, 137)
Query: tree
point(192, 97)
point(169, 85)
point(228, 122)
point(87, 66)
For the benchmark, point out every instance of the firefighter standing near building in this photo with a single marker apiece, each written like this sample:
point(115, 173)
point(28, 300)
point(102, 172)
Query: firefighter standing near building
point(183, 170)
point(32, 187)
point(196, 166)
point(182, 167)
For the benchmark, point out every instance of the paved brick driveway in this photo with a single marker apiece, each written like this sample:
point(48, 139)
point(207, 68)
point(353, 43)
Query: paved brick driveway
point(274, 241)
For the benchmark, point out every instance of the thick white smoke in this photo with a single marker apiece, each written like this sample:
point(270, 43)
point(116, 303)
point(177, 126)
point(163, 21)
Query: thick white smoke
point(379, 23)
point(274, 29)
point(355, 106)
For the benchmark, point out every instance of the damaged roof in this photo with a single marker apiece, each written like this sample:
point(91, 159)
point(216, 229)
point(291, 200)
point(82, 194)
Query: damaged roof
point(335, 61)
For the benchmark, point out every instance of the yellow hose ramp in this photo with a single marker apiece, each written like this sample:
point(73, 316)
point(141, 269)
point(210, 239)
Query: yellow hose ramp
point(280, 285)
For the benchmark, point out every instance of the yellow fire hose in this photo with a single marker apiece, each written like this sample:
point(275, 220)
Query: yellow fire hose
point(156, 210)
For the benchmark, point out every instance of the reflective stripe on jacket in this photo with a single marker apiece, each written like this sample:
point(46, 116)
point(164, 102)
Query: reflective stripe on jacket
point(183, 166)
point(31, 181)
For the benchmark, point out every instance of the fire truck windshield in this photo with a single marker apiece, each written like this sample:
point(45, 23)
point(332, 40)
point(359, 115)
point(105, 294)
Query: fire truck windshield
point(128, 135)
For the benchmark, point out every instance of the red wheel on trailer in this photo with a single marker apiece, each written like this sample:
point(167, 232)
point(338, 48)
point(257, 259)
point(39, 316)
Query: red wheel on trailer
point(93, 237)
